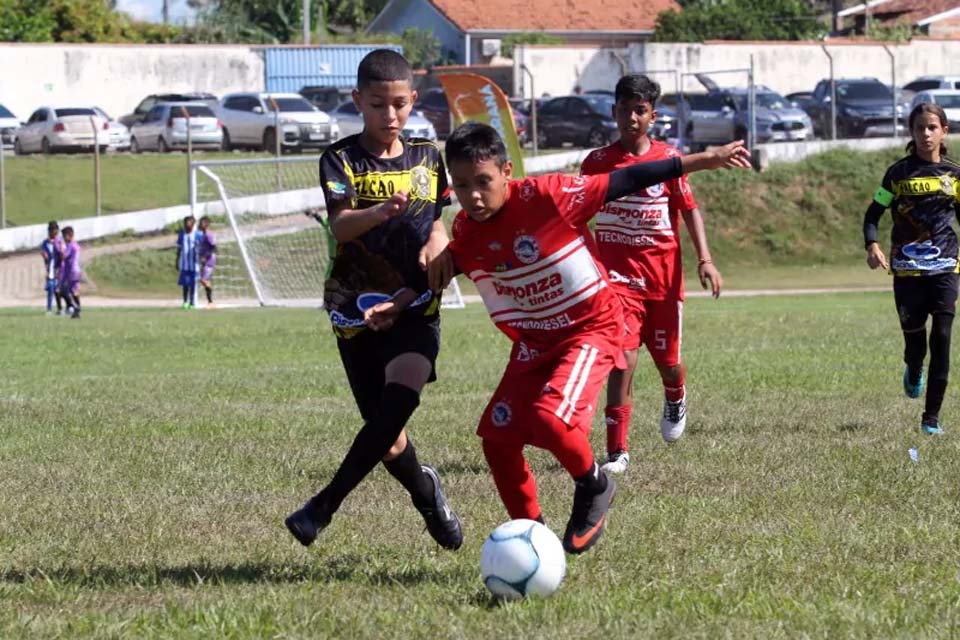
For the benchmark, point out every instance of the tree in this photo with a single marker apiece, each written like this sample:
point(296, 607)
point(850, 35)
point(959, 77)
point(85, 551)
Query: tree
point(739, 20)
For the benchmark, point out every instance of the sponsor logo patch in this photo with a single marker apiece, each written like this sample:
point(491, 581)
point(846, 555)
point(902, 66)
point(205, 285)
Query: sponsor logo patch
point(501, 414)
point(337, 188)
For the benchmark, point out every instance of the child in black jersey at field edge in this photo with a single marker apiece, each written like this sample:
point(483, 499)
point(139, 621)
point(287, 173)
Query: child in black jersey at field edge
point(384, 196)
point(922, 193)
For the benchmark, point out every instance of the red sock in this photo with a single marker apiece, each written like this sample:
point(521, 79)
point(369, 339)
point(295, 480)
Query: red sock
point(674, 391)
point(515, 483)
point(618, 423)
point(569, 445)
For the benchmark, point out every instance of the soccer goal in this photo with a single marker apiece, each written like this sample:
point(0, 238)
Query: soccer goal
point(268, 215)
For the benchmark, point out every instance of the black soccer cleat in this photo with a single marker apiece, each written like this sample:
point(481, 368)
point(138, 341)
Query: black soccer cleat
point(305, 523)
point(442, 523)
point(589, 516)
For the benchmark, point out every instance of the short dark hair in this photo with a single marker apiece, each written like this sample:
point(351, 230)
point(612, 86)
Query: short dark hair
point(383, 65)
point(52, 225)
point(476, 142)
point(188, 218)
point(67, 231)
point(639, 86)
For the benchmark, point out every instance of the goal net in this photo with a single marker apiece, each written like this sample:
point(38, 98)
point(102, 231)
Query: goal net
point(268, 216)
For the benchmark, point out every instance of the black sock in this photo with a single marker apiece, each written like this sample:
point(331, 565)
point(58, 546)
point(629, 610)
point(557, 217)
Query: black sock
point(186, 294)
point(372, 443)
point(209, 291)
point(407, 470)
point(594, 480)
point(59, 300)
point(941, 328)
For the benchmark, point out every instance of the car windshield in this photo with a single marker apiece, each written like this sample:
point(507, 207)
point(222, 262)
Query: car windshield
point(602, 104)
point(347, 107)
point(195, 111)
point(765, 100)
point(63, 113)
point(5, 113)
point(863, 91)
point(290, 104)
point(948, 102)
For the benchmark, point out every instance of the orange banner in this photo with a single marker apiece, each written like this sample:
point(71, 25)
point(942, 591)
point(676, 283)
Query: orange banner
point(473, 97)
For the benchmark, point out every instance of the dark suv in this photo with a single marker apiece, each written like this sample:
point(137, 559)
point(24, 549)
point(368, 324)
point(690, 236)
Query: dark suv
point(586, 121)
point(864, 108)
point(147, 104)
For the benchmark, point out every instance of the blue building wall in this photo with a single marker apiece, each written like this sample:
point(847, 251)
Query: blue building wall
point(288, 69)
point(420, 14)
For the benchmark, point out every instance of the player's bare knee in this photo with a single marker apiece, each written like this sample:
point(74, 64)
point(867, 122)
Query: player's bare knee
point(412, 370)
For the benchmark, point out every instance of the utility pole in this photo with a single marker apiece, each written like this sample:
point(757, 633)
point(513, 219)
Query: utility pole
point(166, 11)
point(306, 21)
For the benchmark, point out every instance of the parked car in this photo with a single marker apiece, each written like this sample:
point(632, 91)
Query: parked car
point(165, 128)
point(949, 99)
point(586, 121)
point(925, 83)
point(666, 126)
point(864, 108)
point(9, 124)
point(52, 129)
point(350, 122)
point(801, 99)
point(148, 103)
point(325, 98)
point(432, 103)
point(249, 120)
point(118, 134)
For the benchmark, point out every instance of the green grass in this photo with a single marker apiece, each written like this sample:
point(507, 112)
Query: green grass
point(147, 459)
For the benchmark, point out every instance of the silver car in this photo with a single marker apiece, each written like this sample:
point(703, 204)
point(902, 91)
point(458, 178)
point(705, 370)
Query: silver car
point(119, 135)
point(949, 101)
point(165, 128)
point(350, 121)
point(8, 126)
point(52, 129)
point(252, 119)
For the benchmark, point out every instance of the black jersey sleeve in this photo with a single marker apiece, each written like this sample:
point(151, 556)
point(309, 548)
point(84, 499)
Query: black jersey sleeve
point(881, 200)
point(336, 180)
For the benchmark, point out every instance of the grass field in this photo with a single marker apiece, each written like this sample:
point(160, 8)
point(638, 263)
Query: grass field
point(147, 459)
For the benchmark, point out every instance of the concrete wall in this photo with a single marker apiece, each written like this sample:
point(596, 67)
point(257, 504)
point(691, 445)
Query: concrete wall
point(785, 67)
point(117, 77)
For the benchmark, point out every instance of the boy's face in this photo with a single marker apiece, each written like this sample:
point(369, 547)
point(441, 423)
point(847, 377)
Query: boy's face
point(68, 237)
point(188, 224)
point(53, 233)
point(204, 224)
point(481, 187)
point(385, 107)
point(634, 117)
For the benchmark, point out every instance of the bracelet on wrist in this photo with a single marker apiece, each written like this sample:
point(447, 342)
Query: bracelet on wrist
point(704, 261)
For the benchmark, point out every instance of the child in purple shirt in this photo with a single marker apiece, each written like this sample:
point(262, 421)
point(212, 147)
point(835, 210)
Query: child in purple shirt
point(208, 257)
point(71, 274)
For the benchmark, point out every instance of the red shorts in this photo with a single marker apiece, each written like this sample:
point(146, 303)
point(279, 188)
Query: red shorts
point(657, 324)
point(567, 386)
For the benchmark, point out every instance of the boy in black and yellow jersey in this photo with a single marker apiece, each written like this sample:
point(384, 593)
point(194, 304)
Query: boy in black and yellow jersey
point(922, 193)
point(384, 195)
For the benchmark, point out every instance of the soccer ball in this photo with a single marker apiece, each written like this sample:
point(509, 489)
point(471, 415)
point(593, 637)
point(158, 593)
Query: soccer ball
point(522, 558)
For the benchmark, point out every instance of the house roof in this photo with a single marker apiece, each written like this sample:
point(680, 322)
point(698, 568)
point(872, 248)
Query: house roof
point(914, 11)
point(554, 15)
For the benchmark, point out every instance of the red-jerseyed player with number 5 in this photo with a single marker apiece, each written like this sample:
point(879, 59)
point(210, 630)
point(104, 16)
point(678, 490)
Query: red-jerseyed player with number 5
point(639, 244)
point(523, 243)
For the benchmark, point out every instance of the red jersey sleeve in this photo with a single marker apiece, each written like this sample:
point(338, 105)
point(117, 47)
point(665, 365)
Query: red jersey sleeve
point(576, 198)
point(681, 195)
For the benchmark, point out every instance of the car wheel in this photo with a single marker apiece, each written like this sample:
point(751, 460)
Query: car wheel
point(225, 144)
point(45, 146)
point(162, 145)
point(17, 148)
point(135, 146)
point(598, 138)
point(543, 140)
point(270, 141)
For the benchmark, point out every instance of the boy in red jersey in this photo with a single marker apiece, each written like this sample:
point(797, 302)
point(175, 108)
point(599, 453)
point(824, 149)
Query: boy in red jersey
point(638, 242)
point(522, 243)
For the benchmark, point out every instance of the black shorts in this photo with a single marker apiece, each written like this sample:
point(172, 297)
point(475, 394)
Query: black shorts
point(366, 355)
point(917, 297)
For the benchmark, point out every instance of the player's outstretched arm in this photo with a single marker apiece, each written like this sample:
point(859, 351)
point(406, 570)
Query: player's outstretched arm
point(349, 224)
point(730, 156)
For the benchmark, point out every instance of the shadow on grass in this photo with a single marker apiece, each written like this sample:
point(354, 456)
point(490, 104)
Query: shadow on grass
point(853, 426)
point(346, 568)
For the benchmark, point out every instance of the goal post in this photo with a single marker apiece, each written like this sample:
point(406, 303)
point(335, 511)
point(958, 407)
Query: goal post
point(273, 243)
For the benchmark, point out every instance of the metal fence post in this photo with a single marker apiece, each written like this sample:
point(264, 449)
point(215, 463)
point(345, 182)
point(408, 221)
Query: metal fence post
point(752, 106)
point(96, 164)
point(3, 188)
point(276, 138)
point(833, 96)
point(186, 115)
point(533, 109)
point(893, 88)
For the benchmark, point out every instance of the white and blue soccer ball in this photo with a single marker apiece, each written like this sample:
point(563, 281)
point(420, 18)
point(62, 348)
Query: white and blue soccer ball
point(522, 558)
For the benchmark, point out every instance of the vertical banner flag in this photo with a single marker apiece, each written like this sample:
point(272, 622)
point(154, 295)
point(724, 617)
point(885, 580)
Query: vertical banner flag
point(473, 97)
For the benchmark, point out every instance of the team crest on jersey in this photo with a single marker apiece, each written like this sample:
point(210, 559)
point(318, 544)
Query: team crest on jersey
point(501, 414)
point(420, 182)
point(655, 191)
point(526, 249)
point(526, 191)
point(948, 186)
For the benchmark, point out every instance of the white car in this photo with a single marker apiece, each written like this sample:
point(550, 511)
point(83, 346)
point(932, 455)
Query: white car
point(8, 126)
point(165, 128)
point(119, 134)
point(249, 120)
point(351, 122)
point(949, 99)
point(52, 129)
